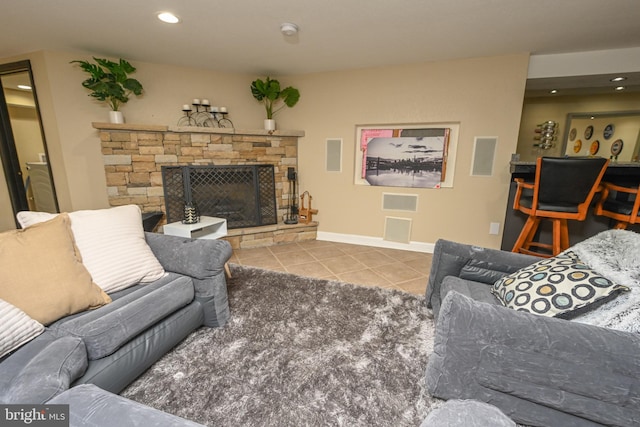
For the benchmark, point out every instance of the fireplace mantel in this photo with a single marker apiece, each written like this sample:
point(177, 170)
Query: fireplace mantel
point(194, 129)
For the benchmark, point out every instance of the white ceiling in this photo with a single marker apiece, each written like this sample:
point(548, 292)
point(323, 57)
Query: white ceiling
point(244, 35)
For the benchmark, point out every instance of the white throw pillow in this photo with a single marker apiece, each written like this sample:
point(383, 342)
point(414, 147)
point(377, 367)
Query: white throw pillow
point(16, 328)
point(111, 243)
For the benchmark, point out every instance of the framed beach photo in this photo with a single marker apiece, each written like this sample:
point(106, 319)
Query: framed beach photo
point(416, 156)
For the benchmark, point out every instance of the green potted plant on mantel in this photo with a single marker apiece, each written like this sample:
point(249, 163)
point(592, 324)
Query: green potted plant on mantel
point(269, 93)
point(110, 82)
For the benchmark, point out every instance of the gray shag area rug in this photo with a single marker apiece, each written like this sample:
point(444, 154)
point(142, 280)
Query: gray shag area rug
point(299, 352)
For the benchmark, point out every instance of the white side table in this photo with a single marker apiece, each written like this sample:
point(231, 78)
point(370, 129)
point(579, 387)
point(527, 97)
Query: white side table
point(209, 227)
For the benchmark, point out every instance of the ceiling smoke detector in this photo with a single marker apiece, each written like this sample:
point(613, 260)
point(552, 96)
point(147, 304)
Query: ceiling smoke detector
point(289, 29)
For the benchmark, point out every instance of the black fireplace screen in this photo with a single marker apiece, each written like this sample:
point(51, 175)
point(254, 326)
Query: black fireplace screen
point(244, 195)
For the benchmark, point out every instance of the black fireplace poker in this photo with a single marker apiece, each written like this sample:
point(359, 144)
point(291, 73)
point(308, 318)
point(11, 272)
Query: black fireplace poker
point(292, 212)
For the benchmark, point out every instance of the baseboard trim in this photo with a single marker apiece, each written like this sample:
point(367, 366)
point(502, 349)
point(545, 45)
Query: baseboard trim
point(378, 242)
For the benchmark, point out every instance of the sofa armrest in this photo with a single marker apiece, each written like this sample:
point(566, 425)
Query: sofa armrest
point(47, 368)
point(198, 258)
point(92, 406)
point(538, 370)
point(471, 263)
point(203, 260)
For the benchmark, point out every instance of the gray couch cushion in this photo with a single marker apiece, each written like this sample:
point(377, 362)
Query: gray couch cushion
point(106, 329)
point(474, 290)
point(92, 406)
point(538, 370)
point(469, 262)
point(115, 371)
point(47, 369)
point(467, 413)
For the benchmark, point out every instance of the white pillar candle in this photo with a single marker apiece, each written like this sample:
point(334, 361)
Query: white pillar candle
point(205, 102)
point(214, 109)
point(195, 101)
point(186, 107)
point(223, 109)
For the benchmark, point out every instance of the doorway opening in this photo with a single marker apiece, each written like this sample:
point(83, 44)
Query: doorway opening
point(23, 147)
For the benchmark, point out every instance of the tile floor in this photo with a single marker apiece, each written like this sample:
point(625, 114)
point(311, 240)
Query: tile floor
point(361, 265)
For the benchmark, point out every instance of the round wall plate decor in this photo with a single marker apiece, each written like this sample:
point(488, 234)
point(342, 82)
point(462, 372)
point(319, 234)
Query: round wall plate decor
point(572, 134)
point(595, 146)
point(588, 132)
point(577, 146)
point(609, 130)
point(616, 147)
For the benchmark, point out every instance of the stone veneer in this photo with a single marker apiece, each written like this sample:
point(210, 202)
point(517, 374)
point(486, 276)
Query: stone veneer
point(134, 154)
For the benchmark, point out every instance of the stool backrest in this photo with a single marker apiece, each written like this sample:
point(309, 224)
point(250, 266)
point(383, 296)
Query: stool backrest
point(569, 179)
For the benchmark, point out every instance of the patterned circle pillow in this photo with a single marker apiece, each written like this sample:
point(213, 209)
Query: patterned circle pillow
point(561, 286)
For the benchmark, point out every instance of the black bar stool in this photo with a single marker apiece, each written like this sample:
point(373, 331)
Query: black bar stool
point(563, 190)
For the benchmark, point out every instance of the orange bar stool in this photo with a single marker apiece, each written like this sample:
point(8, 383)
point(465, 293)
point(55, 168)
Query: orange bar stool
point(619, 203)
point(563, 190)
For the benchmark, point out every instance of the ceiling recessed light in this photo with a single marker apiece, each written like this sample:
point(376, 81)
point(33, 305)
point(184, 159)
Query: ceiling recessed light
point(553, 91)
point(618, 79)
point(168, 17)
point(620, 88)
point(24, 87)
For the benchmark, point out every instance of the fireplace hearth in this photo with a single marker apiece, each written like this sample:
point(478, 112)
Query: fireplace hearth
point(242, 194)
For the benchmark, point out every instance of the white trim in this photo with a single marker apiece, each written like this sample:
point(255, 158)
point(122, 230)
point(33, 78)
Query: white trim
point(377, 242)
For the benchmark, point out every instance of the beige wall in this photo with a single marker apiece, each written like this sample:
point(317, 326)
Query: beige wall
point(538, 110)
point(484, 95)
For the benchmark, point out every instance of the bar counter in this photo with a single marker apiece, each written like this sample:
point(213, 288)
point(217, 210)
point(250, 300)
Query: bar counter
point(621, 173)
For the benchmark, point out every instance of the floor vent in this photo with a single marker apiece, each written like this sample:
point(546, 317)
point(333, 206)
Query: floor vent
point(397, 229)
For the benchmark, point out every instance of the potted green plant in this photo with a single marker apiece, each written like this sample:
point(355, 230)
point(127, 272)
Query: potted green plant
point(274, 99)
point(110, 82)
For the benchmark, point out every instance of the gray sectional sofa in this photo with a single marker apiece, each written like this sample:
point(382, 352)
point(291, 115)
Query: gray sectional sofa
point(110, 346)
point(540, 371)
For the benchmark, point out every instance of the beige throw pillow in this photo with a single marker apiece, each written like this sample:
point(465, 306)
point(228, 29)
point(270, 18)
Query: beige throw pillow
point(112, 245)
point(41, 272)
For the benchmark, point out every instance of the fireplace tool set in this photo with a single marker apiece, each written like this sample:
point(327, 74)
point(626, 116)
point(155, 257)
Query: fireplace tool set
point(292, 212)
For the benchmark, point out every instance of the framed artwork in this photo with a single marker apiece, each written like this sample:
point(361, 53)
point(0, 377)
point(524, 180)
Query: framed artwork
point(416, 156)
point(595, 146)
point(588, 132)
point(573, 134)
point(577, 146)
point(616, 147)
point(609, 130)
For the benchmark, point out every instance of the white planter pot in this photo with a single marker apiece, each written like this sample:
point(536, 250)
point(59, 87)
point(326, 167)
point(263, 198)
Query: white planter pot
point(116, 117)
point(269, 124)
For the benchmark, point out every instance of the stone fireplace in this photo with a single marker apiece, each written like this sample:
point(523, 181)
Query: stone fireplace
point(135, 154)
